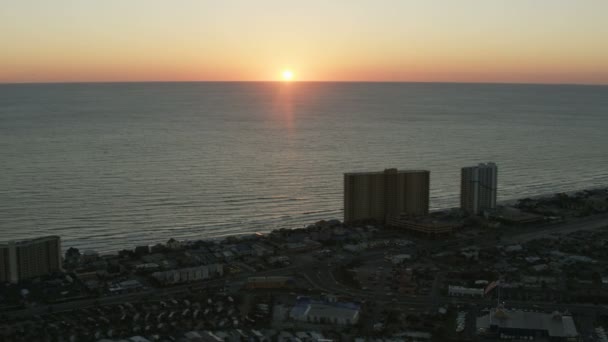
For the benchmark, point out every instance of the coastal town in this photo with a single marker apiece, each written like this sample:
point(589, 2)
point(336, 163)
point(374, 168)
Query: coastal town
point(304, 171)
point(529, 269)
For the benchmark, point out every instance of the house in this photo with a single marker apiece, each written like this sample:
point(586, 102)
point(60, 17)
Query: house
point(460, 291)
point(242, 250)
point(190, 274)
point(307, 310)
point(142, 250)
point(173, 244)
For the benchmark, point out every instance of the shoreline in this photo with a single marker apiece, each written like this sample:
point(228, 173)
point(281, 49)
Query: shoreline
point(253, 235)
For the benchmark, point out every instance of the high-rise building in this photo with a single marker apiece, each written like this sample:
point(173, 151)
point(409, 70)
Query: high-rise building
point(478, 185)
point(32, 258)
point(374, 195)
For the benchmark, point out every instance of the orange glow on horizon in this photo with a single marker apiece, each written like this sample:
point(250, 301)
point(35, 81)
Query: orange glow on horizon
point(385, 40)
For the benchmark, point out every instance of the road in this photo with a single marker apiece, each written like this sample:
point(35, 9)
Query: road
point(142, 295)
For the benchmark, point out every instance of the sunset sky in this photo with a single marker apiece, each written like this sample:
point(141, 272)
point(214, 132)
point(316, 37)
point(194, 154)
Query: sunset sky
point(540, 41)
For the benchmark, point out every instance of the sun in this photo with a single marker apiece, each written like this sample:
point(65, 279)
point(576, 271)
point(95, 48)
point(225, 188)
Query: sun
point(287, 75)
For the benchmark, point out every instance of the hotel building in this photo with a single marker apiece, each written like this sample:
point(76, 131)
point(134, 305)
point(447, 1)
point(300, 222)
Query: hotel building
point(26, 259)
point(376, 195)
point(478, 185)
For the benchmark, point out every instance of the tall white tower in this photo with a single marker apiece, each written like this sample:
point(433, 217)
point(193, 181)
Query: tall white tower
point(478, 188)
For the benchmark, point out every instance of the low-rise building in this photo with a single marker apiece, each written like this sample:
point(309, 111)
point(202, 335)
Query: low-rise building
point(190, 274)
point(399, 258)
point(147, 267)
point(337, 313)
point(142, 250)
point(242, 250)
point(173, 244)
point(355, 248)
point(124, 286)
point(524, 325)
point(461, 291)
point(279, 260)
point(424, 224)
point(511, 215)
point(261, 250)
point(303, 246)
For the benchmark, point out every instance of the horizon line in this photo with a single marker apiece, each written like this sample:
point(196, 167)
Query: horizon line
point(311, 81)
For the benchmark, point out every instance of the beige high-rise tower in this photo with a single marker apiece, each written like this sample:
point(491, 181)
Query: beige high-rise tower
point(29, 258)
point(374, 195)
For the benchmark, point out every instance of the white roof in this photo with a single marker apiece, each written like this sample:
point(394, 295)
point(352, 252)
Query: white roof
point(556, 325)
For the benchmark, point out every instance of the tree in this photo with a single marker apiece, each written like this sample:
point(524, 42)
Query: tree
point(72, 252)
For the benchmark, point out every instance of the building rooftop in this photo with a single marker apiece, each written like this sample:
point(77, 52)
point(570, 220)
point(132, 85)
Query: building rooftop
point(482, 165)
point(556, 324)
point(28, 241)
point(382, 172)
point(325, 310)
point(312, 308)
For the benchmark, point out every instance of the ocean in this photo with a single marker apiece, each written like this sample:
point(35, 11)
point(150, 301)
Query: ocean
point(111, 166)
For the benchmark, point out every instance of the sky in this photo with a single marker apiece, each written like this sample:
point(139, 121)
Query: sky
point(511, 41)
